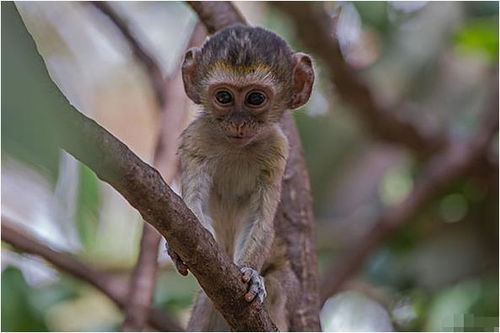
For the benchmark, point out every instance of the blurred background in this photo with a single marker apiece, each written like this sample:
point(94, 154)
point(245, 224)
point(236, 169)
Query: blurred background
point(439, 272)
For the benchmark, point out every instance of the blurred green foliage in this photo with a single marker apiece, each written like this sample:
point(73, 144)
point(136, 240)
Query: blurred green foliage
point(480, 34)
point(89, 202)
point(27, 133)
point(18, 311)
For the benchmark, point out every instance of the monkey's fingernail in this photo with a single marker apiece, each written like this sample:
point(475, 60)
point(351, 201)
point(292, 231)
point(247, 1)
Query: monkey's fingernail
point(249, 297)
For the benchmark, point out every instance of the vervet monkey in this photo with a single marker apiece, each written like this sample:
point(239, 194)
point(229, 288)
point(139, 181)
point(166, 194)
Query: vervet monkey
point(234, 153)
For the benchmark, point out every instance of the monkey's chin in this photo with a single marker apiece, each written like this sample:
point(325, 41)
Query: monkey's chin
point(240, 141)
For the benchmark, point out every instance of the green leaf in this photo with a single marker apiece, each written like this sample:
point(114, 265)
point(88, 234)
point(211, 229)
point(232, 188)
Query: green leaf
point(88, 205)
point(18, 312)
point(481, 35)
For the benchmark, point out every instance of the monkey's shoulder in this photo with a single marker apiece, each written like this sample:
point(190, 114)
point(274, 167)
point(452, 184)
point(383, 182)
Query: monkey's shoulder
point(195, 141)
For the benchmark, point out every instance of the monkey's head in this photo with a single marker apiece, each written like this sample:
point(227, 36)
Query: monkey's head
point(245, 78)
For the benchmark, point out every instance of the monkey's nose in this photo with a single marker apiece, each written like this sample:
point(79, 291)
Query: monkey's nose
point(239, 128)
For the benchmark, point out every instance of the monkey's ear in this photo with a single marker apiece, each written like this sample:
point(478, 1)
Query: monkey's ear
point(189, 70)
point(303, 79)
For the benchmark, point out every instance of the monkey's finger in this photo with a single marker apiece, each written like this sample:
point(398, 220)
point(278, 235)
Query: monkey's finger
point(246, 276)
point(250, 296)
point(179, 264)
point(254, 289)
point(181, 267)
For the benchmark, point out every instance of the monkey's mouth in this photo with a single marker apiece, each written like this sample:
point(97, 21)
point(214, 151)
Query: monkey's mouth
point(240, 140)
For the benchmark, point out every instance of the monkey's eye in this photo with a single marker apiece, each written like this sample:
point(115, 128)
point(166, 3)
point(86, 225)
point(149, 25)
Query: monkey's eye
point(255, 98)
point(224, 97)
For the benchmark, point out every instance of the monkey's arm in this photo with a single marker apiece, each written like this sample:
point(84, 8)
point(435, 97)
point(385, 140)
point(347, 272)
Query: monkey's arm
point(196, 179)
point(254, 243)
point(195, 185)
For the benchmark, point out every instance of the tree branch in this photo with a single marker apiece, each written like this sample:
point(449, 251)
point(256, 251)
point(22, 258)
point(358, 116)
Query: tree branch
point(217, 15)
point(111, 287)
point(315, 29)
point(143, 281)
point(170, 100)
point(439, 172)
point(172, 119)
point(152, 67)
point(143, 187)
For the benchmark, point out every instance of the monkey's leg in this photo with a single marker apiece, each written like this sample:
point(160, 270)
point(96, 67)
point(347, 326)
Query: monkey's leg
point(205, 318)
point(276, 299)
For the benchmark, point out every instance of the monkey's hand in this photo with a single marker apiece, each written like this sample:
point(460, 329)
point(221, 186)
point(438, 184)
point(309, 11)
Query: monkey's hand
point(256, 288)
point(179, 264)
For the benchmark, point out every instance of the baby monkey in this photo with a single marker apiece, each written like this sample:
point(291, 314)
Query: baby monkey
point(234, 154)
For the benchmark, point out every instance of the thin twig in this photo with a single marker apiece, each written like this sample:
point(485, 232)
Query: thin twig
point(438, 173)
point(140, 52)
point(142, 282)
point(316, 30)
point(115, 289)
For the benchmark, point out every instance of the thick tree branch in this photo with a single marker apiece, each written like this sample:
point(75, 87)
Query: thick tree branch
point(143, 187)
point(111, 287)
point(171, 104)
point(295, 222)
point(217, 15)
point(294, 219)
point(142, 54)
point(439, 172)
point(172, 118)
point(315, 29)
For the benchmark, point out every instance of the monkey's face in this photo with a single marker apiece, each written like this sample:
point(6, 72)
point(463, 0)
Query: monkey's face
point(242, 111)
point(244, 102)
point(245, 78)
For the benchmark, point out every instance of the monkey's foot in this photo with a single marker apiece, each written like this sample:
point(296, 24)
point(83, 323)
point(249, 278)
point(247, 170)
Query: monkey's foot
point(256, 288)
point(179, 264)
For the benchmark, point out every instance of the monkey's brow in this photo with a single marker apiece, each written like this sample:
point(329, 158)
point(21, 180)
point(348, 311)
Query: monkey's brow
point(241, 77)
